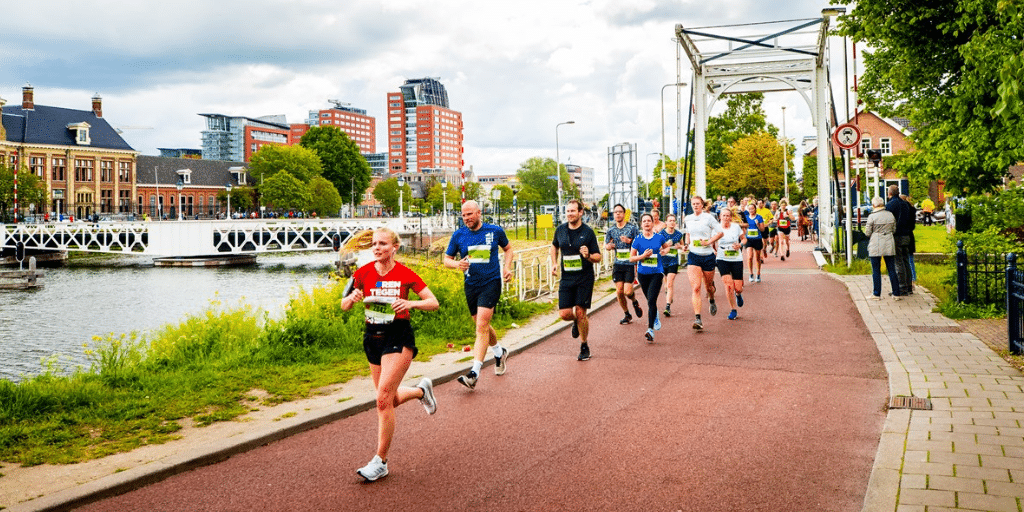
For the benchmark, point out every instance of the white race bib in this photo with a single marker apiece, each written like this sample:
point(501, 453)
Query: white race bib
point(622, 254)
point(479, 254)
point(572, 263)
point(651, 262)
point(378, 310)
point(753, 233)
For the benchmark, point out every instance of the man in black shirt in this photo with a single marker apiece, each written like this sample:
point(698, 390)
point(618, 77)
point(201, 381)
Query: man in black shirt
point(904, 235)
point(580, 250)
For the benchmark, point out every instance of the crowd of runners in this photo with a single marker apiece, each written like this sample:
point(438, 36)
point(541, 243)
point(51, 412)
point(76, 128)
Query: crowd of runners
point(724, 236)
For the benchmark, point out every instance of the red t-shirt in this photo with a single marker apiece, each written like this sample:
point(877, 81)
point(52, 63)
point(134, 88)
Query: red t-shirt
point(395, 285)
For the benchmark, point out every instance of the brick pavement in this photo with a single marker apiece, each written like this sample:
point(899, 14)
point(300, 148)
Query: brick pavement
point(967, 453)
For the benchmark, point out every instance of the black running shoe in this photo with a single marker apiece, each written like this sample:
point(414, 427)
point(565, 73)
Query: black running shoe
point(739, 300)
point(626, 319)
point(668, 309)
point(575, 329)
point(698, 325)
point(468, 380)
point(714, 309)
point(584, 352)
point(787, 252)
point(636, 307)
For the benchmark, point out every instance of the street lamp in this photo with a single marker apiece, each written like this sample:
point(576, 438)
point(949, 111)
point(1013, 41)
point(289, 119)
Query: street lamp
point(677, 84)
point(228, 189)
point(558, 171)
point(401, 194)
point(444, 200)
point(180, 185)
point(785, 151)
point(515, 208)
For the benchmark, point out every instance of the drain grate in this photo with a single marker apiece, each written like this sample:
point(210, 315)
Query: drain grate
point(910, 402)
point(935, 328)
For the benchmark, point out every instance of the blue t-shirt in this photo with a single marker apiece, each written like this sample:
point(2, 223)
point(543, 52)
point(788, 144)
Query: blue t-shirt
point(752, 230)
point(672, 258)
point(651, 265)
point(482, 248)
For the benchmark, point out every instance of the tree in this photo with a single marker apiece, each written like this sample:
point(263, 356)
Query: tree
point(285, 192)
point(437, 195)
point(301, 163)
point(754, 167)
point(473, 191)
point(242, 198)
point(536, 176)
point(343, 164)
point(743, 116)
point(954, 70)
point(387, 193)
point(31, 190)
point(324, 198)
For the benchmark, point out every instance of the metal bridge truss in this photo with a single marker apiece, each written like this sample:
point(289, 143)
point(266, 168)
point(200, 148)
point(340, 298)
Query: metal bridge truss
point(200, 238)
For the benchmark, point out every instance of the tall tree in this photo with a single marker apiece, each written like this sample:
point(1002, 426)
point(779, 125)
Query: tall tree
point(537, 176)
point(954, 69)
point(31, 190)
point(343, 164)
point(387, 193)
point(323, 197)
point(743, 116)
point(285, 192)
point(754, 167)
point(301, 163)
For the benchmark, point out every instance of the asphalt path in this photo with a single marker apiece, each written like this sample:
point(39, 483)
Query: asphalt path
point(778, 410)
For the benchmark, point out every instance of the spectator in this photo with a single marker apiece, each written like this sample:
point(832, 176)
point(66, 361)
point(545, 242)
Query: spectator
point(879, 228)
point(904, 235)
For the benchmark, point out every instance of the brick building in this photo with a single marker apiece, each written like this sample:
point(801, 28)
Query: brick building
point(423, 132)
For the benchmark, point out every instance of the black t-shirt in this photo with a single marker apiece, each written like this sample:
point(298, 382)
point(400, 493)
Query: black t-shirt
point(575, 269)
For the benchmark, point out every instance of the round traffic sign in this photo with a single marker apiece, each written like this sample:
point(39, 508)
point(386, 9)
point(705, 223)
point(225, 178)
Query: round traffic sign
point(846, 136)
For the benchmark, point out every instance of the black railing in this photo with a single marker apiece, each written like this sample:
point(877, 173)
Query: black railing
point(982, 279)
point(1014, 304)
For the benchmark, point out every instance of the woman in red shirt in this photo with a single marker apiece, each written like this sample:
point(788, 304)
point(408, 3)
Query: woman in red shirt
point(383, 287)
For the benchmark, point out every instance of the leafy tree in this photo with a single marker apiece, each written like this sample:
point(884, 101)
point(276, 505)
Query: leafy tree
point(954, 69)
point(285, 192)
point(324, 198)
point(387, 193)
point(743, 116)
point(343, 164)
point(754, 166)
point(301, 163)
point(535, 176)
point(31, 190)
point(438, 194)
point(242, 198)
point(473, 191)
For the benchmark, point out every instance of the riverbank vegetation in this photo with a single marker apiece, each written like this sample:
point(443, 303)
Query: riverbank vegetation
point(213, 366)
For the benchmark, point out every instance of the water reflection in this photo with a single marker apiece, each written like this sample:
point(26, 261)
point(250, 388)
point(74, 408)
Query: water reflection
point(76, 304)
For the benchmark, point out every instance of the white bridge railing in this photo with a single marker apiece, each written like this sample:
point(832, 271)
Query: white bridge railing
point(201, 238)
point(532, 271)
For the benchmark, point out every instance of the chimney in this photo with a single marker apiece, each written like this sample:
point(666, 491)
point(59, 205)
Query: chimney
point(26, 98)
point(97, 105)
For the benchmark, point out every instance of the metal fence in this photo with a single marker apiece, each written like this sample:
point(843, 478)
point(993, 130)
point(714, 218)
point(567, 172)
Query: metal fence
point(983, 279)
point(1014, 304)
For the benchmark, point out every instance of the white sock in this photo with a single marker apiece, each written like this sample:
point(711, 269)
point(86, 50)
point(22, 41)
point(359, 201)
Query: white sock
point(477, 365)
point(496, 349)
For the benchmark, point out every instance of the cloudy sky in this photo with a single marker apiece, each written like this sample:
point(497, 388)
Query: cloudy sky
point(514, 69)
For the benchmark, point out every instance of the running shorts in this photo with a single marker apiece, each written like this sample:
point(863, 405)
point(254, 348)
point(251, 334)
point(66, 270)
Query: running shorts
point(579, 295)
point(785, 231)
point(380, 339)
point(731, 268)
point(771, 232)
point(706, 263)
point(483, 296)
point(755, 243)
point(671, 269)
point(623, 273)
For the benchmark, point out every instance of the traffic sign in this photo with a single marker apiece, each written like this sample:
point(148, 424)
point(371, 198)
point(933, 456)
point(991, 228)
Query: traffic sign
point(846, 136)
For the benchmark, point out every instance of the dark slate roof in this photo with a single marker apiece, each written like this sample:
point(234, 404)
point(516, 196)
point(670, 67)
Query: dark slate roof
point(49, 125)
point(205, 173)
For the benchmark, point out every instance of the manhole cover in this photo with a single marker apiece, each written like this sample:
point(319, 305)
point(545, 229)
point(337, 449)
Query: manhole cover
point(936, 328)
point(910, 402)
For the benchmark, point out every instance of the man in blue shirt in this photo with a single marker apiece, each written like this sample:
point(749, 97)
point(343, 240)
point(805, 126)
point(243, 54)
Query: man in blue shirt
point(476, 245)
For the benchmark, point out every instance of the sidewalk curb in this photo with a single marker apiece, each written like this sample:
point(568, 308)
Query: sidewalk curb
point(152, 472)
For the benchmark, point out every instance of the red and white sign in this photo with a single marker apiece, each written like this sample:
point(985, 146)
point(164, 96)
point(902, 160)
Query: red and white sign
point(847, 136)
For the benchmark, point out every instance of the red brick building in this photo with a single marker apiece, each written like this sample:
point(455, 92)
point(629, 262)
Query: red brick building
point(423, 132)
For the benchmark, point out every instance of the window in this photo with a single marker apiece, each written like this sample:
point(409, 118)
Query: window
point(865, 144)
point(885, 143)
point(37, 164)
point(124, 172)
point(83, 169)
point(106, 171)
point(59, 169)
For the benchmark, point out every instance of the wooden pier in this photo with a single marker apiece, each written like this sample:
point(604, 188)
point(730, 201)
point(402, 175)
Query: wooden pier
point(21, 279)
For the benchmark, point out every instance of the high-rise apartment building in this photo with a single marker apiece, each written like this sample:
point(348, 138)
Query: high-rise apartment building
point(584, 179)
point(359, 127)
point(423, 132)
point(235, 139)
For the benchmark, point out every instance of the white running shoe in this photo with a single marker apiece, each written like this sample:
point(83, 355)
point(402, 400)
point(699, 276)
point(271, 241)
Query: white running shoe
point(376, 469)
point(428, 401)
point(500, 362)
point(657, 324)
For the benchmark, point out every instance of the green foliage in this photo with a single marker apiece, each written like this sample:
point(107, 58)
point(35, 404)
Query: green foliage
point(534, 175)
point(438, 194)
point(31, 190)
point(324, 199)
point(303, 164)
point(284, 191)
point(754, 166)
point(387, 193)
point(242, 198)
point(343, 165)
point(1003, 210)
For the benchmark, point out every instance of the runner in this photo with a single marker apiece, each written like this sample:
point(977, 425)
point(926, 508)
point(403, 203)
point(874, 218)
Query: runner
point(658, 224)
point(477, 243)
point(646, 251)
point(766, 215)
point(755, 244)
point(388, 340)
point(579, 248)
point(773, 228)
point(700, 235)
point(619, 238)
point(730, 260)
point(670, 261)
point(785, 223)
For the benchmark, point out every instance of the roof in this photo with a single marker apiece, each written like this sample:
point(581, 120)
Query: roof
point(49, 125)
point(151, 170)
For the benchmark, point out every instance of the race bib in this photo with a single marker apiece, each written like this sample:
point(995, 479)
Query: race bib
point(753, 233)
point(784, 223)
point(731, 253)
point(622, 254)
point(673, 253)
point(572, 263)
point(378, 310)
point(696, 243)
point(651, 262)
point(479, 254)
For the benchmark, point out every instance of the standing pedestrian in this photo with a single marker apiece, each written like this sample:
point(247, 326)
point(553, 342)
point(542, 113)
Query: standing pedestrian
point(388, 340)
point(578, 245)
point(904, 236)
point(670, 261)
point(730, 260)
point(700, 237)
point(879, 229)
point(476, 245)
point(619, 238)
point(646, 251)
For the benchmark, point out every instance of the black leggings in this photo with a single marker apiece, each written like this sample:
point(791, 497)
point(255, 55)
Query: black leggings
point(651, 286)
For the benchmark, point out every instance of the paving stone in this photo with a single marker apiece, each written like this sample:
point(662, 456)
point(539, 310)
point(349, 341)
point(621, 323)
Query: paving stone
point(987, 502)
point(927, 497)
point(960, 484)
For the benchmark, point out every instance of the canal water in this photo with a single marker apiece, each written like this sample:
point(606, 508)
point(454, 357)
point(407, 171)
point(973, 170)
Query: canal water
point(124, 295)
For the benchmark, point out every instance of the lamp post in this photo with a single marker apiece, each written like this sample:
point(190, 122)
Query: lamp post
point(180, 185)
point(515, 208)
point(663, 170)
point(558, 171)
point(785, 155)
point(228, 189)
point(401, 195)
point(444, 200)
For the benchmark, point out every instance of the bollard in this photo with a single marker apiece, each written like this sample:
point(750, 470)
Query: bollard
point(961, 272)
point(32, 271)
